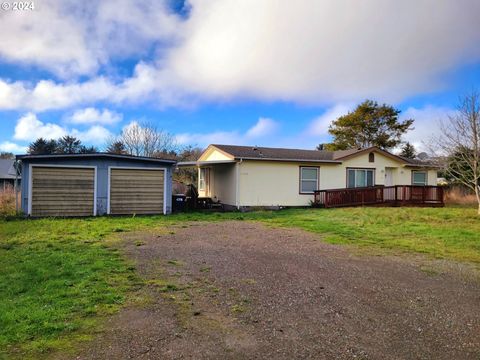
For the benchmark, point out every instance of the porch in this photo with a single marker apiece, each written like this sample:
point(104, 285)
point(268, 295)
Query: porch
point(397, 195)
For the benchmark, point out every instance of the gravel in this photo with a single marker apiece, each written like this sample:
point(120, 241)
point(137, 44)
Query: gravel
point(246, 291)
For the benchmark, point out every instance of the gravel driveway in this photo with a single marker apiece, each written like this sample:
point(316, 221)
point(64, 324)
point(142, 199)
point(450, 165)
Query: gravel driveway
point(240, 290)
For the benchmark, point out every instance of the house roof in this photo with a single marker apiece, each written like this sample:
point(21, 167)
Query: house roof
point(266, 153)
point(93, 155)
point(7, 169)
point(284, 154)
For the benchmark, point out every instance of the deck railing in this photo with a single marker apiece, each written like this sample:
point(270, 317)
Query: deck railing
point(397, 195)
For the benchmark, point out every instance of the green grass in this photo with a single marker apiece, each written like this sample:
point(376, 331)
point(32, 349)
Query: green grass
point(58, 277)
point(450, 233)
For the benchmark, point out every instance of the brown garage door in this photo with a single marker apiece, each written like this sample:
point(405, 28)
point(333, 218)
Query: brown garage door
point(136, 191)
point(58, 191)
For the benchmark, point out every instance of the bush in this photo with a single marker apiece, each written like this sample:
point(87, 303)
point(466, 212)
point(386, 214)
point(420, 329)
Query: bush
point(459, 196)
point(7, 202)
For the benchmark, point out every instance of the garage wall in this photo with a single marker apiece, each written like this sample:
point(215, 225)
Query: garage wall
point(102, 165)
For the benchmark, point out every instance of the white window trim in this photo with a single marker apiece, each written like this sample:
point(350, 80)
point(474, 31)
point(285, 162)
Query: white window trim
point(138, 168)
point(30, 182)
point(363, 169)
point(301, 179)
point(420, 171)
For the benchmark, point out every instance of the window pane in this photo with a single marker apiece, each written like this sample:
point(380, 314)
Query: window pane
point(361, 180)
point(201, 185)
point(309, 174)
point(309, 185)
point(351, 178)
point(369, 177)
point(419, 178)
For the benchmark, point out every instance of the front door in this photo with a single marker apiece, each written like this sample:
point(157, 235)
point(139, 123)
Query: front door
point(388, 177)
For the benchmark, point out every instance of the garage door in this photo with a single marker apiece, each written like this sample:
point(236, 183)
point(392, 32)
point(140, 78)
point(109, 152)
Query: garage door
point(59, 191)
point(136, 191)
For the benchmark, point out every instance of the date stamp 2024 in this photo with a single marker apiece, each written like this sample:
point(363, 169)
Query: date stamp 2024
point(17, 6)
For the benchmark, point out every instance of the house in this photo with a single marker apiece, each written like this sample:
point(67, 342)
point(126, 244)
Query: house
point(249, 176)
point(8, 174)
point(95, 184)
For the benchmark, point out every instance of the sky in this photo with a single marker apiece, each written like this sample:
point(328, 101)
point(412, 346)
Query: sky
point(250, 72)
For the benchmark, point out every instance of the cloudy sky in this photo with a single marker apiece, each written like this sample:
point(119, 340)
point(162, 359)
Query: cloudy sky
point(256, 72)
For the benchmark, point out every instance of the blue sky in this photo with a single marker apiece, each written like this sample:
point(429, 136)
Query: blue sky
point(251, 72)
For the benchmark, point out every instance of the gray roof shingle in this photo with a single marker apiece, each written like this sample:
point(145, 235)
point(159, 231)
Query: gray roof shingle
point(257, 152)
point(268, 153)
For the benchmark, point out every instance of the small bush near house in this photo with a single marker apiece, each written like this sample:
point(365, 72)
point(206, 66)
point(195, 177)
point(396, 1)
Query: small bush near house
point(7, 202)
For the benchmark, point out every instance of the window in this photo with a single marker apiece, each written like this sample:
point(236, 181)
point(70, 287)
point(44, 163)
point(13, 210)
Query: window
point(203, 178)
point(308, 180)
point(360, 178)
point(371, 157)
point(419, 178)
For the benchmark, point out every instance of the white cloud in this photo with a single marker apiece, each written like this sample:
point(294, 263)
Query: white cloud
point(97, 135)
point(146, 83)
point(426, 125)
point(310, 52)
point(263, 127)
point(29, 128)
point(262, 130)
point(76, 37)
point(49, 37)
point(319, 126)
point(92, 115)
point(324, 51)
point(8, 146)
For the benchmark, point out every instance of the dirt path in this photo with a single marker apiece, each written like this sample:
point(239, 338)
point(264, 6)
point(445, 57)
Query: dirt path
point(239, 290)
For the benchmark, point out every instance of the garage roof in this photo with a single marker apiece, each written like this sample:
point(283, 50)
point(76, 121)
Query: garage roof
point(93, 155)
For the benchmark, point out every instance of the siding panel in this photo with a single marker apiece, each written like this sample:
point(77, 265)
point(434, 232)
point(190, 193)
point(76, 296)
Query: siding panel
point(135, 191)
point(60, 191)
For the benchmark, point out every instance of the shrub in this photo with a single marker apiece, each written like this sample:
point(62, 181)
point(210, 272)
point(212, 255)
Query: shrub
point(459, 196)
point(7, 201)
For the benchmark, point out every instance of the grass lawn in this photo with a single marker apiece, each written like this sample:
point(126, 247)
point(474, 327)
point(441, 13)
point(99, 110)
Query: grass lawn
point(58, 277)
point(450, 233)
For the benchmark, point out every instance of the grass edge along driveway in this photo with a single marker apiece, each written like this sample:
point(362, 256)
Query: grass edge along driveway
point(60, 277)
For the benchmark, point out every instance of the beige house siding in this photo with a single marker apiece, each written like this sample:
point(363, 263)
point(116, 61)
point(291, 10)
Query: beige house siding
point(271, 183)
point(222, 184)
point(277, 183)
point(213, 154)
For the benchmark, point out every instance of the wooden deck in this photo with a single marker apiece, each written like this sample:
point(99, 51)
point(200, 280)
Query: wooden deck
point(398, 195)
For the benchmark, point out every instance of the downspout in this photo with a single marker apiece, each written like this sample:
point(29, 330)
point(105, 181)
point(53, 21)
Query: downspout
point(237, 184)
point(15, 185)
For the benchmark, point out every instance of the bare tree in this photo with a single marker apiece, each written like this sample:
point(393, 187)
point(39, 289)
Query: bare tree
point(144, 140)
point(460, 143)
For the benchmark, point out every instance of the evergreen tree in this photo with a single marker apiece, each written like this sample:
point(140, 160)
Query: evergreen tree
point(42, 146)
point(69, 145)
point(116, 147)
point(370, 124)
point(408, 151)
